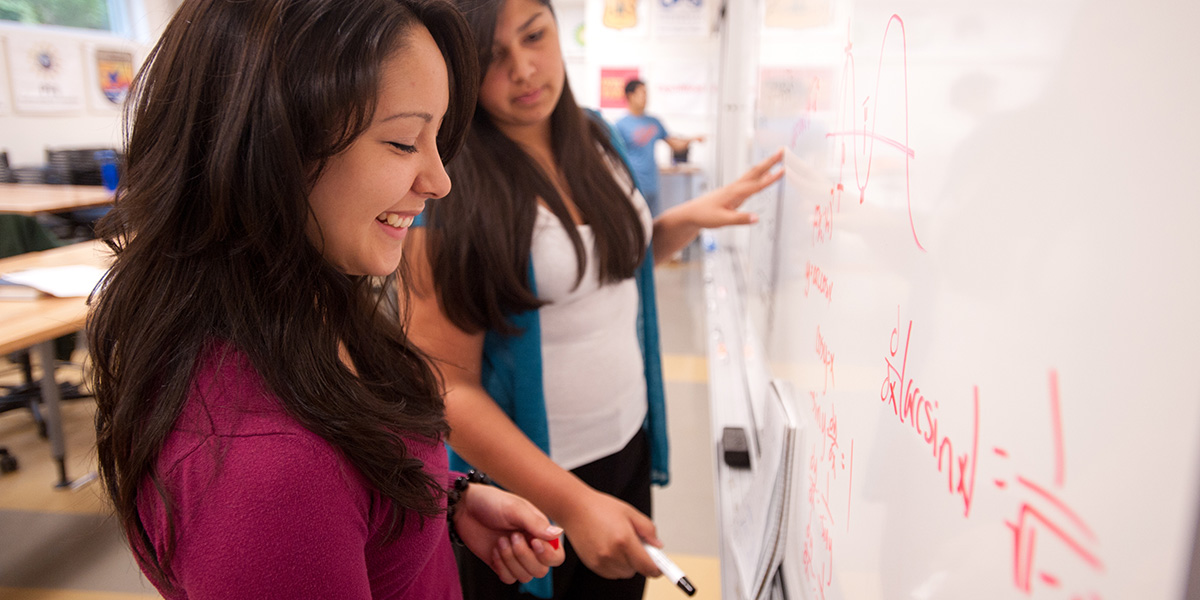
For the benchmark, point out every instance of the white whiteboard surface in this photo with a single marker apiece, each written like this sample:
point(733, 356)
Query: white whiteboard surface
point(990, 214)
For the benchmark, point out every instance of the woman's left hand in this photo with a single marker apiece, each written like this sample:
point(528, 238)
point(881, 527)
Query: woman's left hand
point(719, 207)
point(508, 533)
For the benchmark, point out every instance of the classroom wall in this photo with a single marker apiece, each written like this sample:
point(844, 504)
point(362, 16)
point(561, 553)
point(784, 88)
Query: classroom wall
point(678, 56)
point(86, 117)
point(674, 47)
point(677, 53)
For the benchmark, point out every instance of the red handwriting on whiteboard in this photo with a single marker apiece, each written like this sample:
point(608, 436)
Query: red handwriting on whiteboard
point(822, 221)
point(818, 558)
point(1043, 511)
point(817, 571)
point(867, 131)
point(828, 460)
point(920, 413)
point(826, 356)
point(830, 452)
point(815, 277)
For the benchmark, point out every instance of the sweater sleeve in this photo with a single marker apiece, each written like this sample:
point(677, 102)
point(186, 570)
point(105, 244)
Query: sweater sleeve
point(281, 518)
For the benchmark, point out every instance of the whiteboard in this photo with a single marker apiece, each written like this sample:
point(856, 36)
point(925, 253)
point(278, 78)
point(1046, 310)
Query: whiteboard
point(982, 278)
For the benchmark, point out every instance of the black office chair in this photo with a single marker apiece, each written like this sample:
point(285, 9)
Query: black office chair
point(8, 462)
point(6, 173)
point(76, 166)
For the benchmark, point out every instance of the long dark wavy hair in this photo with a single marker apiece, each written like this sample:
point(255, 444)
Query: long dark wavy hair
point(479, 236)
point(232, 119)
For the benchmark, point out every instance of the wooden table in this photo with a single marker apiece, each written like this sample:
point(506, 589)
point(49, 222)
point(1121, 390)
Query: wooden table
point(34, 198)
point(35, 323)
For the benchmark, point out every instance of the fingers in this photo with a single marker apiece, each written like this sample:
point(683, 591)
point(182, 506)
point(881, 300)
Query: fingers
point(766, 177)
point(759, 177)
point(550, 553)
point(760, 182)
point(543, 537)
point(514, 560)
point(641, 562)
point(534, 522)
point(645, 529)
point(757, 170)
point(498, 562)
point(646, 532)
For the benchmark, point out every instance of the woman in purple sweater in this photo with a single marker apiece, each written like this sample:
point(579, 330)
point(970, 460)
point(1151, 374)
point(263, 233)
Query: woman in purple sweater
point(254, 432)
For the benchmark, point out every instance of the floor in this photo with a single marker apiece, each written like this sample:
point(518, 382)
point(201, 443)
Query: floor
point(63, 544)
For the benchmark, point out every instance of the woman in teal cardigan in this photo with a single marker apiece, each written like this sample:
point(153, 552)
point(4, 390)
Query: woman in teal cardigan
point(533, 293)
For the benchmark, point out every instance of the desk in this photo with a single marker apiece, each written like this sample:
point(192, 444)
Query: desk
point(33, 198)
point(26, 323)
point(678, 184)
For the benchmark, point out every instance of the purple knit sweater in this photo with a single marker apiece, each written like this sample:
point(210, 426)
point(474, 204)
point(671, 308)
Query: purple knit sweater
point(266, 509)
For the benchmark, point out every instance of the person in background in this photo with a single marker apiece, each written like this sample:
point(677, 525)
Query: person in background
point(533, 292)
point(640, 131)
point(264, 428)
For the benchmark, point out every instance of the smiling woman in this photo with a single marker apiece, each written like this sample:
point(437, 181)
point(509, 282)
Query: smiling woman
point(368, 195)
point(264, 430)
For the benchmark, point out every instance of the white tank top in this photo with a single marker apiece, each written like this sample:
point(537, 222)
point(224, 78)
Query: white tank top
point(592, 369)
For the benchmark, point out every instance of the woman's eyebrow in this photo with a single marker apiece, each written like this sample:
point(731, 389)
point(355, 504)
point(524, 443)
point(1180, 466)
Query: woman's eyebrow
point(529, 22)
point(428, 118)
point(496, 47)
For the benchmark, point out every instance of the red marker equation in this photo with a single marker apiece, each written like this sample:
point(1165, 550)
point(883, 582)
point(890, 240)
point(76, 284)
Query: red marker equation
point(815, 277)
point(826, 356)
point(920, 413)
point(827, 461)
point(866, 132)
point(1043, 516)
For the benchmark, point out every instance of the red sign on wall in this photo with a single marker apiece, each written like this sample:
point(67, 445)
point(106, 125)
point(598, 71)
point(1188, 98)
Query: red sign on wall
point(612, 85)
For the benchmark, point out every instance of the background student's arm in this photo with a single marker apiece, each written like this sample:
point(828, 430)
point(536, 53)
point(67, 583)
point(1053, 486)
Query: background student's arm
point(679, 225)
point(604, 530)
point(679, 144)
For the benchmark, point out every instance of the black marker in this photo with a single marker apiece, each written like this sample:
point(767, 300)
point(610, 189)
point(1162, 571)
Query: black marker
point(669, 569)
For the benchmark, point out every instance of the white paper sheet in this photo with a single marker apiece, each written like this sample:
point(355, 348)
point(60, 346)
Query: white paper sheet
point(67, 281)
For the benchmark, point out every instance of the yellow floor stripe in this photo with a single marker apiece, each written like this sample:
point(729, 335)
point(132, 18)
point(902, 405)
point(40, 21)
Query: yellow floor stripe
point(40, 594)
point(685, 368)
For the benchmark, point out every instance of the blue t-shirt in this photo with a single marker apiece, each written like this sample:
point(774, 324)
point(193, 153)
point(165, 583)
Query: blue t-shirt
point(639, 134)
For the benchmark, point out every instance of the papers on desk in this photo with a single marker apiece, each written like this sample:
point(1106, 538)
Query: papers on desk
point(69, 281)
point(12, 291)
point(760, 498)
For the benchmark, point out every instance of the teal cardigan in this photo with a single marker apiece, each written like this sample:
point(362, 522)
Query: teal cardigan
point(512, 375)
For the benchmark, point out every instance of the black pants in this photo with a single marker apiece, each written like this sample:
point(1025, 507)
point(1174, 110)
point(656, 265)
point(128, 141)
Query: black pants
point(625, 475)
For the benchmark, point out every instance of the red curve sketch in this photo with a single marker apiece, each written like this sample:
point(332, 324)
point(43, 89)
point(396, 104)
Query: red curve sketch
point(870, 137)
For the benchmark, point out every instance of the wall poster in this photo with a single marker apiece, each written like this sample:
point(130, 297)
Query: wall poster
point(681, 18)
point(612, 85)
point(47, 75)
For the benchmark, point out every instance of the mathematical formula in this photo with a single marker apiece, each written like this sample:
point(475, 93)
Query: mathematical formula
point(956, 446)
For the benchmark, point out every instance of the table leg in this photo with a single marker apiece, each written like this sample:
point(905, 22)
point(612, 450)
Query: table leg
point(53, 413)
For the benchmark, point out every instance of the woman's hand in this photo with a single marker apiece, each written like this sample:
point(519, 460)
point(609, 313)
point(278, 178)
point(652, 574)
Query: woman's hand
point(607, 535)
point(720, 207)
point(679, 225)
point(507, 532)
